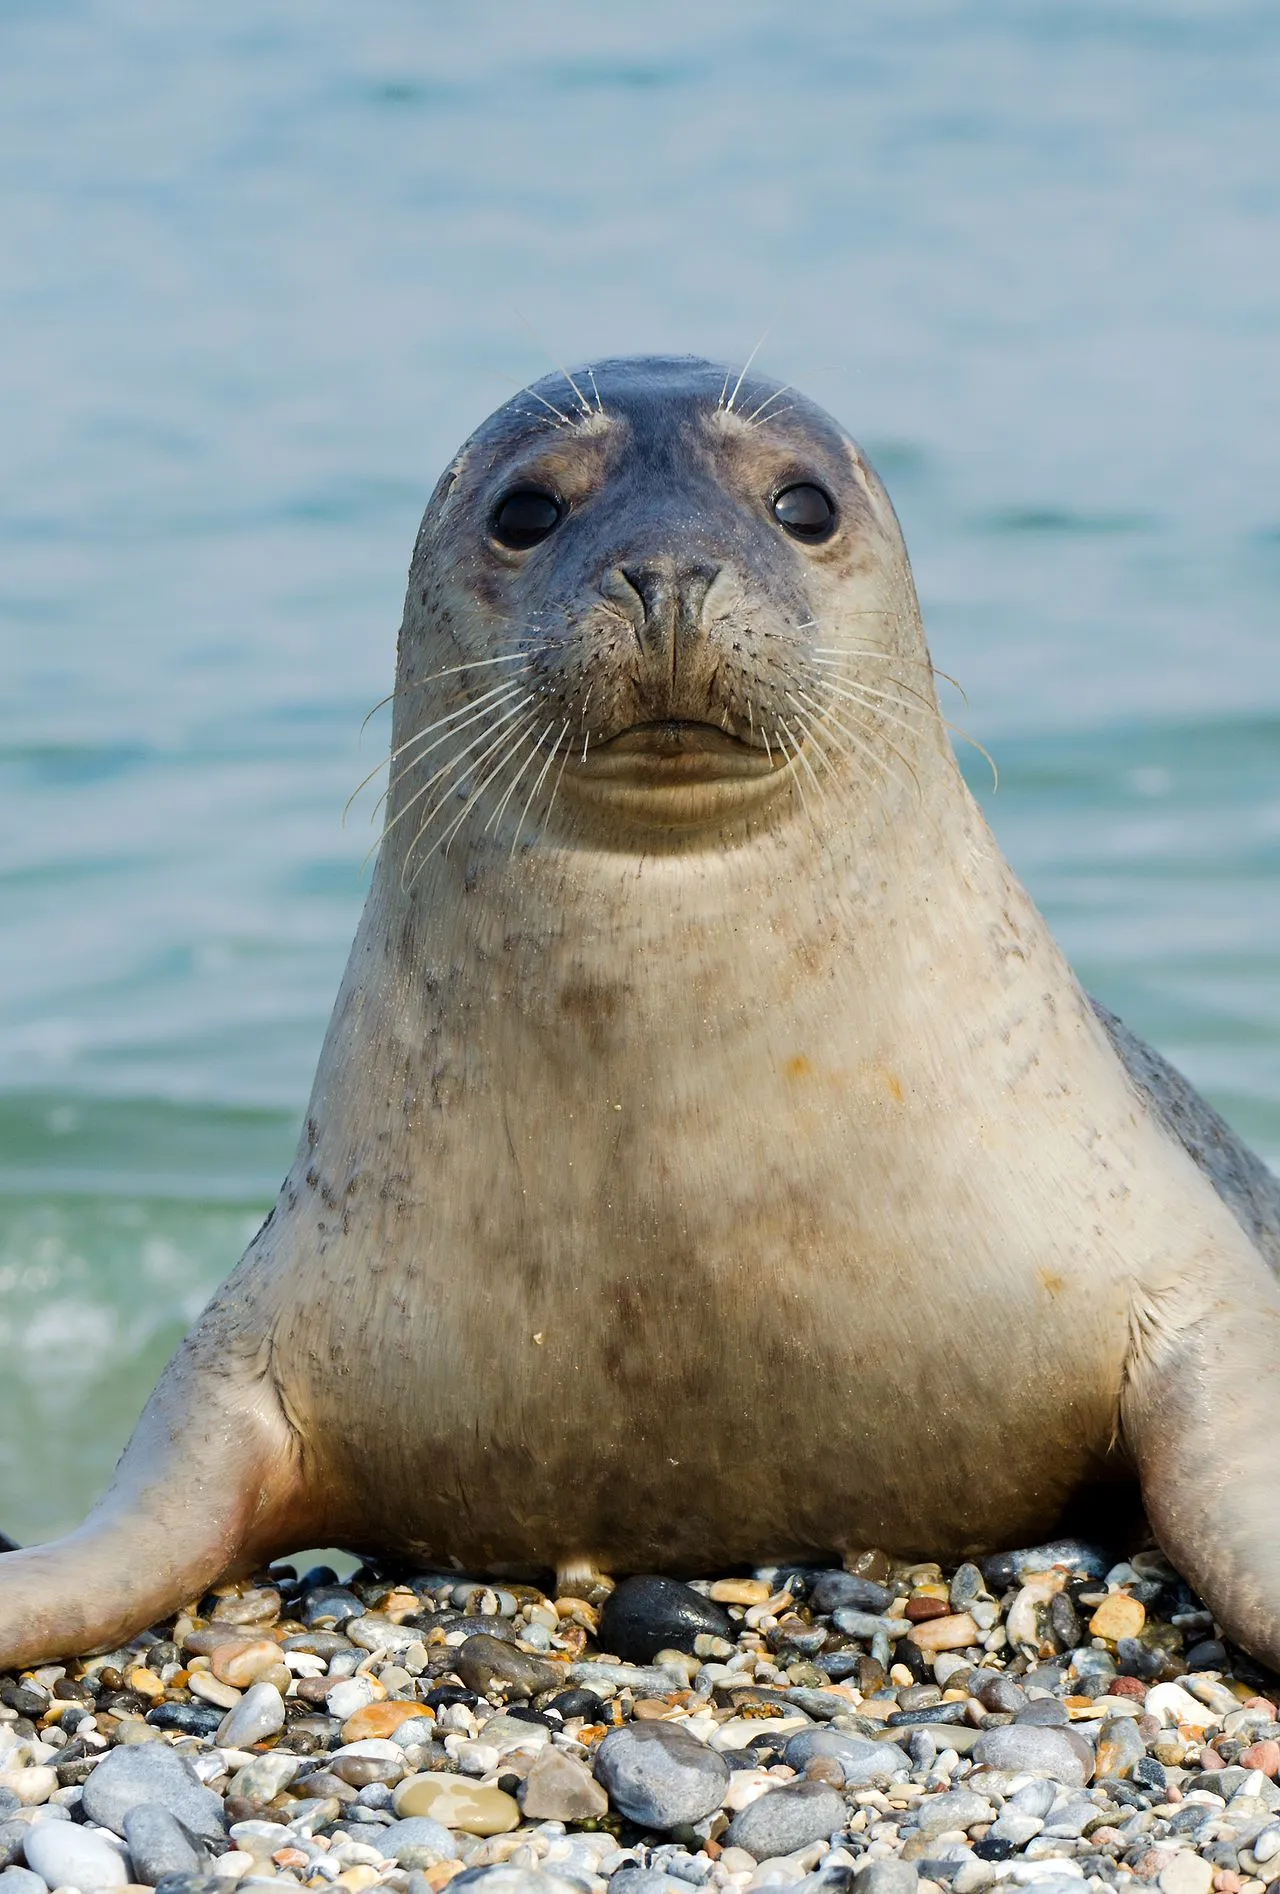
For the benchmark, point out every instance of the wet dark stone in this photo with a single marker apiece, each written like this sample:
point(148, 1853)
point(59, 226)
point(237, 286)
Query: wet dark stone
point(917, 1719)
point(914, 1659)
point(524, 1713)
point(488, 1663)
point(647, 1615)
point(193, 1719)
point(1134, 1659)
point(831, 1590)
point(26, 1701)
point(1064, 1622)
point(457, 1621)
point(966, 1587)
point(839, 1665)
point(332, 1602)
point(991, 1848)
point(583, 1703)
point(1208, 1654)
point(1003, 1569)
point(445, 1694)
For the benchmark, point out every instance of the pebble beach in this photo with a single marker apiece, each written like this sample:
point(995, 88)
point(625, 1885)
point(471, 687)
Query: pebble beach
point(1047, 1719)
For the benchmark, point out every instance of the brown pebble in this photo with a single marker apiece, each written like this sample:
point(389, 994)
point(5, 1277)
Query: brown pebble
point(824, 1769)
point(1226, 1881)
point(952, 1633)
point(653, 1710)
point(1128, 1687)
point(920, 1608)
point(246, 1661)
point(1210, 1759)
point(1264, 1755)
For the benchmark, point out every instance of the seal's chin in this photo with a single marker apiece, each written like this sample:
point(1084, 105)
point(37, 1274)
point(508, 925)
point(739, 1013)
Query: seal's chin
point(675, 774)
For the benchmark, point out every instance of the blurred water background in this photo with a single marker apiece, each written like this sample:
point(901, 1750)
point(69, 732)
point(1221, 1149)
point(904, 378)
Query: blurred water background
point(263, 264)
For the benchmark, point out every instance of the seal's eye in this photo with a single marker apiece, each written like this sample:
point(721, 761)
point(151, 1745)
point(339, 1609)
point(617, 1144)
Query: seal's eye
point(805, 510)
point(526, 516)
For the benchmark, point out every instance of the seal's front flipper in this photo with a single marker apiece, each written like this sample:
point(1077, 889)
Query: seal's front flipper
point(208, 1485)
point(1200, 1415)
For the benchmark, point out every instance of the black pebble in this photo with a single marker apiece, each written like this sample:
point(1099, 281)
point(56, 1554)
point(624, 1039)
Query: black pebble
point(905, 1652)
point(1209, 1654)
point(992, 1848)
point(445, 1694)
point(523, 1714)
point(25, 1702)
point(583, 1703)
point(1135, 1660)
point(647, 1615)
point(1064, 1622)
point(193, 1719)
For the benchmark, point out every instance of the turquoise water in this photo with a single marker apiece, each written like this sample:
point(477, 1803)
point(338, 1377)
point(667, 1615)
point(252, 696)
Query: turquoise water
point(262, 266)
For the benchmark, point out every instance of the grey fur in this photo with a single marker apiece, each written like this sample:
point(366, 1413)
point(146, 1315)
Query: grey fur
point(1250, 1191)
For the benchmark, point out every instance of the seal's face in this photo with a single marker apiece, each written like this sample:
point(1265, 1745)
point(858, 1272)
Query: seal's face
point(639, 582)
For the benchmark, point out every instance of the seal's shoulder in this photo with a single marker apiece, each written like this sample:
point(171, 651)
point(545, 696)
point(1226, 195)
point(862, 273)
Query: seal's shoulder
point(1250, 1191)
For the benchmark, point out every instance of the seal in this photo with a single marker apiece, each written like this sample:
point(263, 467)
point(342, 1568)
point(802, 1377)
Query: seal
point(712, 1157)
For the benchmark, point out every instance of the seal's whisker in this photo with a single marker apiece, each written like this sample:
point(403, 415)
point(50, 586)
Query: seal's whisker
point(599, 403)
point(861, 743)
point(505, 737)
point(775, 416)
point(768, 402)
point(852, 695)
point(446, 840)
point(511, 787)
point(874, 782)
point(452, 763)
point(540, 779)
point(745, 368)
point(801, 751)
point(555, 787)
point(836, 654)
point(460, 720)
point(869, 692)
point(768, 752)
point(796, 778)
point(467, 703)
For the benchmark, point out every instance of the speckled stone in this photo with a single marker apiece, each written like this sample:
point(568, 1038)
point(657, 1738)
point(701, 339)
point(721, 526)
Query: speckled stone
point(416, 1833)
point(158, 1845)
point(660, 1775)
point(151, 1772)
point(259, 1713)
point(862, 1763)
point(1035, 1748)
point(559, 1788)
point(787, 1818)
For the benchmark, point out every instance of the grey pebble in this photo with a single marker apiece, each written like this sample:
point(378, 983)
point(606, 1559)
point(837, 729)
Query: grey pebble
point(22, 1881)
point(158, 1844)
point(151, 1772)
point(630, 1880)
point(831, 1590)
point(67, 1856)
point(416, 1831)
point(954, 1808)
point(259, 1713)
point(9, 1803)
point(867, 1625)
point(782, 1820)
point(660, 1775)
point(890, 1876)
point(861, 1762)
point(509, 1880)
point(1040, 1750)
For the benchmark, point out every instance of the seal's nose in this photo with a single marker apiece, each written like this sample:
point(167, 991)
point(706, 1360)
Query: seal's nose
point(672, 593)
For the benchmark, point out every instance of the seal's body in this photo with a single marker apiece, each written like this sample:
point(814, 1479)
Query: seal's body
point(712, 1157)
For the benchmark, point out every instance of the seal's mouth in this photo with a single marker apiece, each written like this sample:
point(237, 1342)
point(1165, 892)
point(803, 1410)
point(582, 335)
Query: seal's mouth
point(673, 751)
